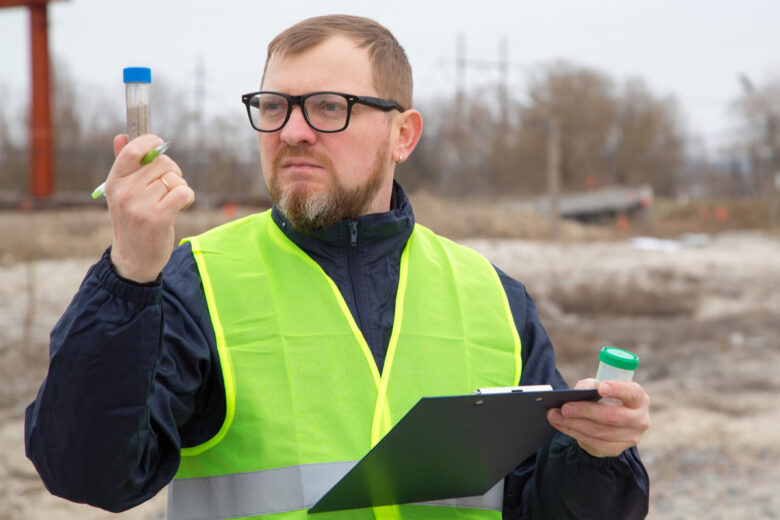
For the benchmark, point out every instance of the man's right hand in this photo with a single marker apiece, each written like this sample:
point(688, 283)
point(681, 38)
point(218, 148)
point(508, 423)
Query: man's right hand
point(143, 202)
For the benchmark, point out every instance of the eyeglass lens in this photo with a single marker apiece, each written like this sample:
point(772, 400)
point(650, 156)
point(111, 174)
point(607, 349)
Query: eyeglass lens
point(325, 112)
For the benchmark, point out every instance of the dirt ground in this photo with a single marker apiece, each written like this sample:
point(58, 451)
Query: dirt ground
point(702, 312)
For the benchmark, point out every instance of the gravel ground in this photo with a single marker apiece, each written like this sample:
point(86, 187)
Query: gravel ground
point(702, 314)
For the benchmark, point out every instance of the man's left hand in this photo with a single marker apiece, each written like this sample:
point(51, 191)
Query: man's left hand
point(605, 429)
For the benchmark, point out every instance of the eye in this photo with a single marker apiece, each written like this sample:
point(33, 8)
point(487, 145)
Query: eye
point(327, 105)
point(269, 107)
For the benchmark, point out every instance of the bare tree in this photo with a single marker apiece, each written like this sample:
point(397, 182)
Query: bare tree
point(13, 153)
point(760, 108)
point(85, 119)
point(609, 135)
point(649, 145)
point(583, 103)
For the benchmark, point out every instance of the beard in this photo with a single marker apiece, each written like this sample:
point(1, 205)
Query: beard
point(310, 209)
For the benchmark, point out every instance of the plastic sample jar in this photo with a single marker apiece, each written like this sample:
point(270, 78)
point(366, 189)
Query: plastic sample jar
point(138, 84)
point(616, 364)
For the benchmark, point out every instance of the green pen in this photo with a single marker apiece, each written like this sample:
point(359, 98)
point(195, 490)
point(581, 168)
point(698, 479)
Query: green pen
point(150, 156)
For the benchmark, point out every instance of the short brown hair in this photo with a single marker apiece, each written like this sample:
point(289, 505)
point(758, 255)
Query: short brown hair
point(391, 72)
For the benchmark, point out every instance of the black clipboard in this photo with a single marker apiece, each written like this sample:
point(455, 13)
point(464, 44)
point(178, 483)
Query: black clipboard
point(450, 447)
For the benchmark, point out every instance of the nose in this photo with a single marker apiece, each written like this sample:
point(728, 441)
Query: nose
point(297, 130)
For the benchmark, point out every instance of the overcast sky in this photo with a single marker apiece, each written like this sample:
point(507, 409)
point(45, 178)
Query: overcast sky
point(693, 51)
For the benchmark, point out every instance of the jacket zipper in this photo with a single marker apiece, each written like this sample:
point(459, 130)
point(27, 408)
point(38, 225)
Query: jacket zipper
point(352, 263)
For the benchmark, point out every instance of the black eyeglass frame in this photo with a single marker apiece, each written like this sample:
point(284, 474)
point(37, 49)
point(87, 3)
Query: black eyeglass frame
point(384, 105)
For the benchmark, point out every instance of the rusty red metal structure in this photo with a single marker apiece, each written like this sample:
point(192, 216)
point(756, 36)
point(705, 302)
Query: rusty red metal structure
point(40, 138)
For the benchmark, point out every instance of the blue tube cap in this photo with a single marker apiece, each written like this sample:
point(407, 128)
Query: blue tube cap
point(137, 75)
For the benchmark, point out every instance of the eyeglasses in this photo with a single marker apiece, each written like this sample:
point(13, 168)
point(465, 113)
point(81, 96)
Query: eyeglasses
point(326, 112)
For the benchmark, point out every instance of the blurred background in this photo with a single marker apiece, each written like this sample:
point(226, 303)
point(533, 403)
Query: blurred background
point(621, 159)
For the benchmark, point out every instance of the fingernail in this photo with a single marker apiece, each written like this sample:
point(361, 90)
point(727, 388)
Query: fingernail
point(606, 389)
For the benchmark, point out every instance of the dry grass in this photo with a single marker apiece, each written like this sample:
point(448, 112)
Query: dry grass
point(86, 232)
point(466, 218)
point(69, 233)
point(65, 233)
point(670, 217)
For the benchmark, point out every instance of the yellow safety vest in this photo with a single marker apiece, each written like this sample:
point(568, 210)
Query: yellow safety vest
point(305, 399)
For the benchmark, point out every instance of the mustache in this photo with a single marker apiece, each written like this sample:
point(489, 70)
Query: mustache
point(302, 151)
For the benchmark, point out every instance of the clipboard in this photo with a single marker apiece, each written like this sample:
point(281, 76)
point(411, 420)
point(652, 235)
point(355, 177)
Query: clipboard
point(450, 447)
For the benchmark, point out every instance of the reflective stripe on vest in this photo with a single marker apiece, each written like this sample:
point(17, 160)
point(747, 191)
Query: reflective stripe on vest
point(278, 490)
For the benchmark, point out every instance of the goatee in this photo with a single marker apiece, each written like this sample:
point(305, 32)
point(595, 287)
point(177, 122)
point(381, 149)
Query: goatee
point(310, 209)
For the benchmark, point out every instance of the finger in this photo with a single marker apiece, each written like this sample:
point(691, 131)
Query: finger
point(607, 414)
point(594, 433)
point(124, 189)
point(159, 167)
point(120, 142)
point(631, 394)
point(169, 180)
point(129, 158)
point(618, 430)
point(178, 199)
point(147, 176)
point(168, 184)
point(166, 187)
point(606, 422)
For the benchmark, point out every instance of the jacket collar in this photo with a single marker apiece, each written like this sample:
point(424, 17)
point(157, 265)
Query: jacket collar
point(395, 225)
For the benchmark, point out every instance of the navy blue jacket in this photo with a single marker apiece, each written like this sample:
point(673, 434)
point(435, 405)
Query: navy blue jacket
point(134, 376)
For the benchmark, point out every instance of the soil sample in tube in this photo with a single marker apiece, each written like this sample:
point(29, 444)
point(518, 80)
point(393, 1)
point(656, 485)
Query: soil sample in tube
point(138, 83)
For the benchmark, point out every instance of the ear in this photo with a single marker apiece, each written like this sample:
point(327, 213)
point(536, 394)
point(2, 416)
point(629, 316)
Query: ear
point(408, 129)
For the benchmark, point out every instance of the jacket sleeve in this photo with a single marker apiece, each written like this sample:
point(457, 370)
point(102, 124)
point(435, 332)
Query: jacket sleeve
point(563, 481)
point(131, 378)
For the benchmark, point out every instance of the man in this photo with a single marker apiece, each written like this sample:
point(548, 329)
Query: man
point(285, 344)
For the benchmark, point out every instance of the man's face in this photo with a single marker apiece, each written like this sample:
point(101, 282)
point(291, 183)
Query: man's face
point(318, 178)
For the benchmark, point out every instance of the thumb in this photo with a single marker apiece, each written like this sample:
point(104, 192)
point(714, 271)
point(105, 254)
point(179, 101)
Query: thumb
point(120, 142)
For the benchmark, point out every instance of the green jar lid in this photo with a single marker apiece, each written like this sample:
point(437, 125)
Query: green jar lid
point(619, 358)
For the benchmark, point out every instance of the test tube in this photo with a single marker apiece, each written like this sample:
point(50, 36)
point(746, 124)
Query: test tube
point(138, 84)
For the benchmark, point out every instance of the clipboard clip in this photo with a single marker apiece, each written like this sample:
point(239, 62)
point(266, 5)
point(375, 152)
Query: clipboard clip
point(512, 389)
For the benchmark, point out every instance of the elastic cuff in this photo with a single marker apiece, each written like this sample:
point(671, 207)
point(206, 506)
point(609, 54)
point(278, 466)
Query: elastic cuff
point(128, 290)
point(591, 461)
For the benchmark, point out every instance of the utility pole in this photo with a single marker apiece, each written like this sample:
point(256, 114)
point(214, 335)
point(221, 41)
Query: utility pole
point(461, 108)
point(462, 63)
point(501, 65)
point(768, 156)
point(460, 78)
point(200, 107)
point(503, 83)
point(553, 174)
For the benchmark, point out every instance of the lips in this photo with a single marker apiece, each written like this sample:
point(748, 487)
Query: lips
point(296, 163)
point(301, 163)
point(299, 170)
